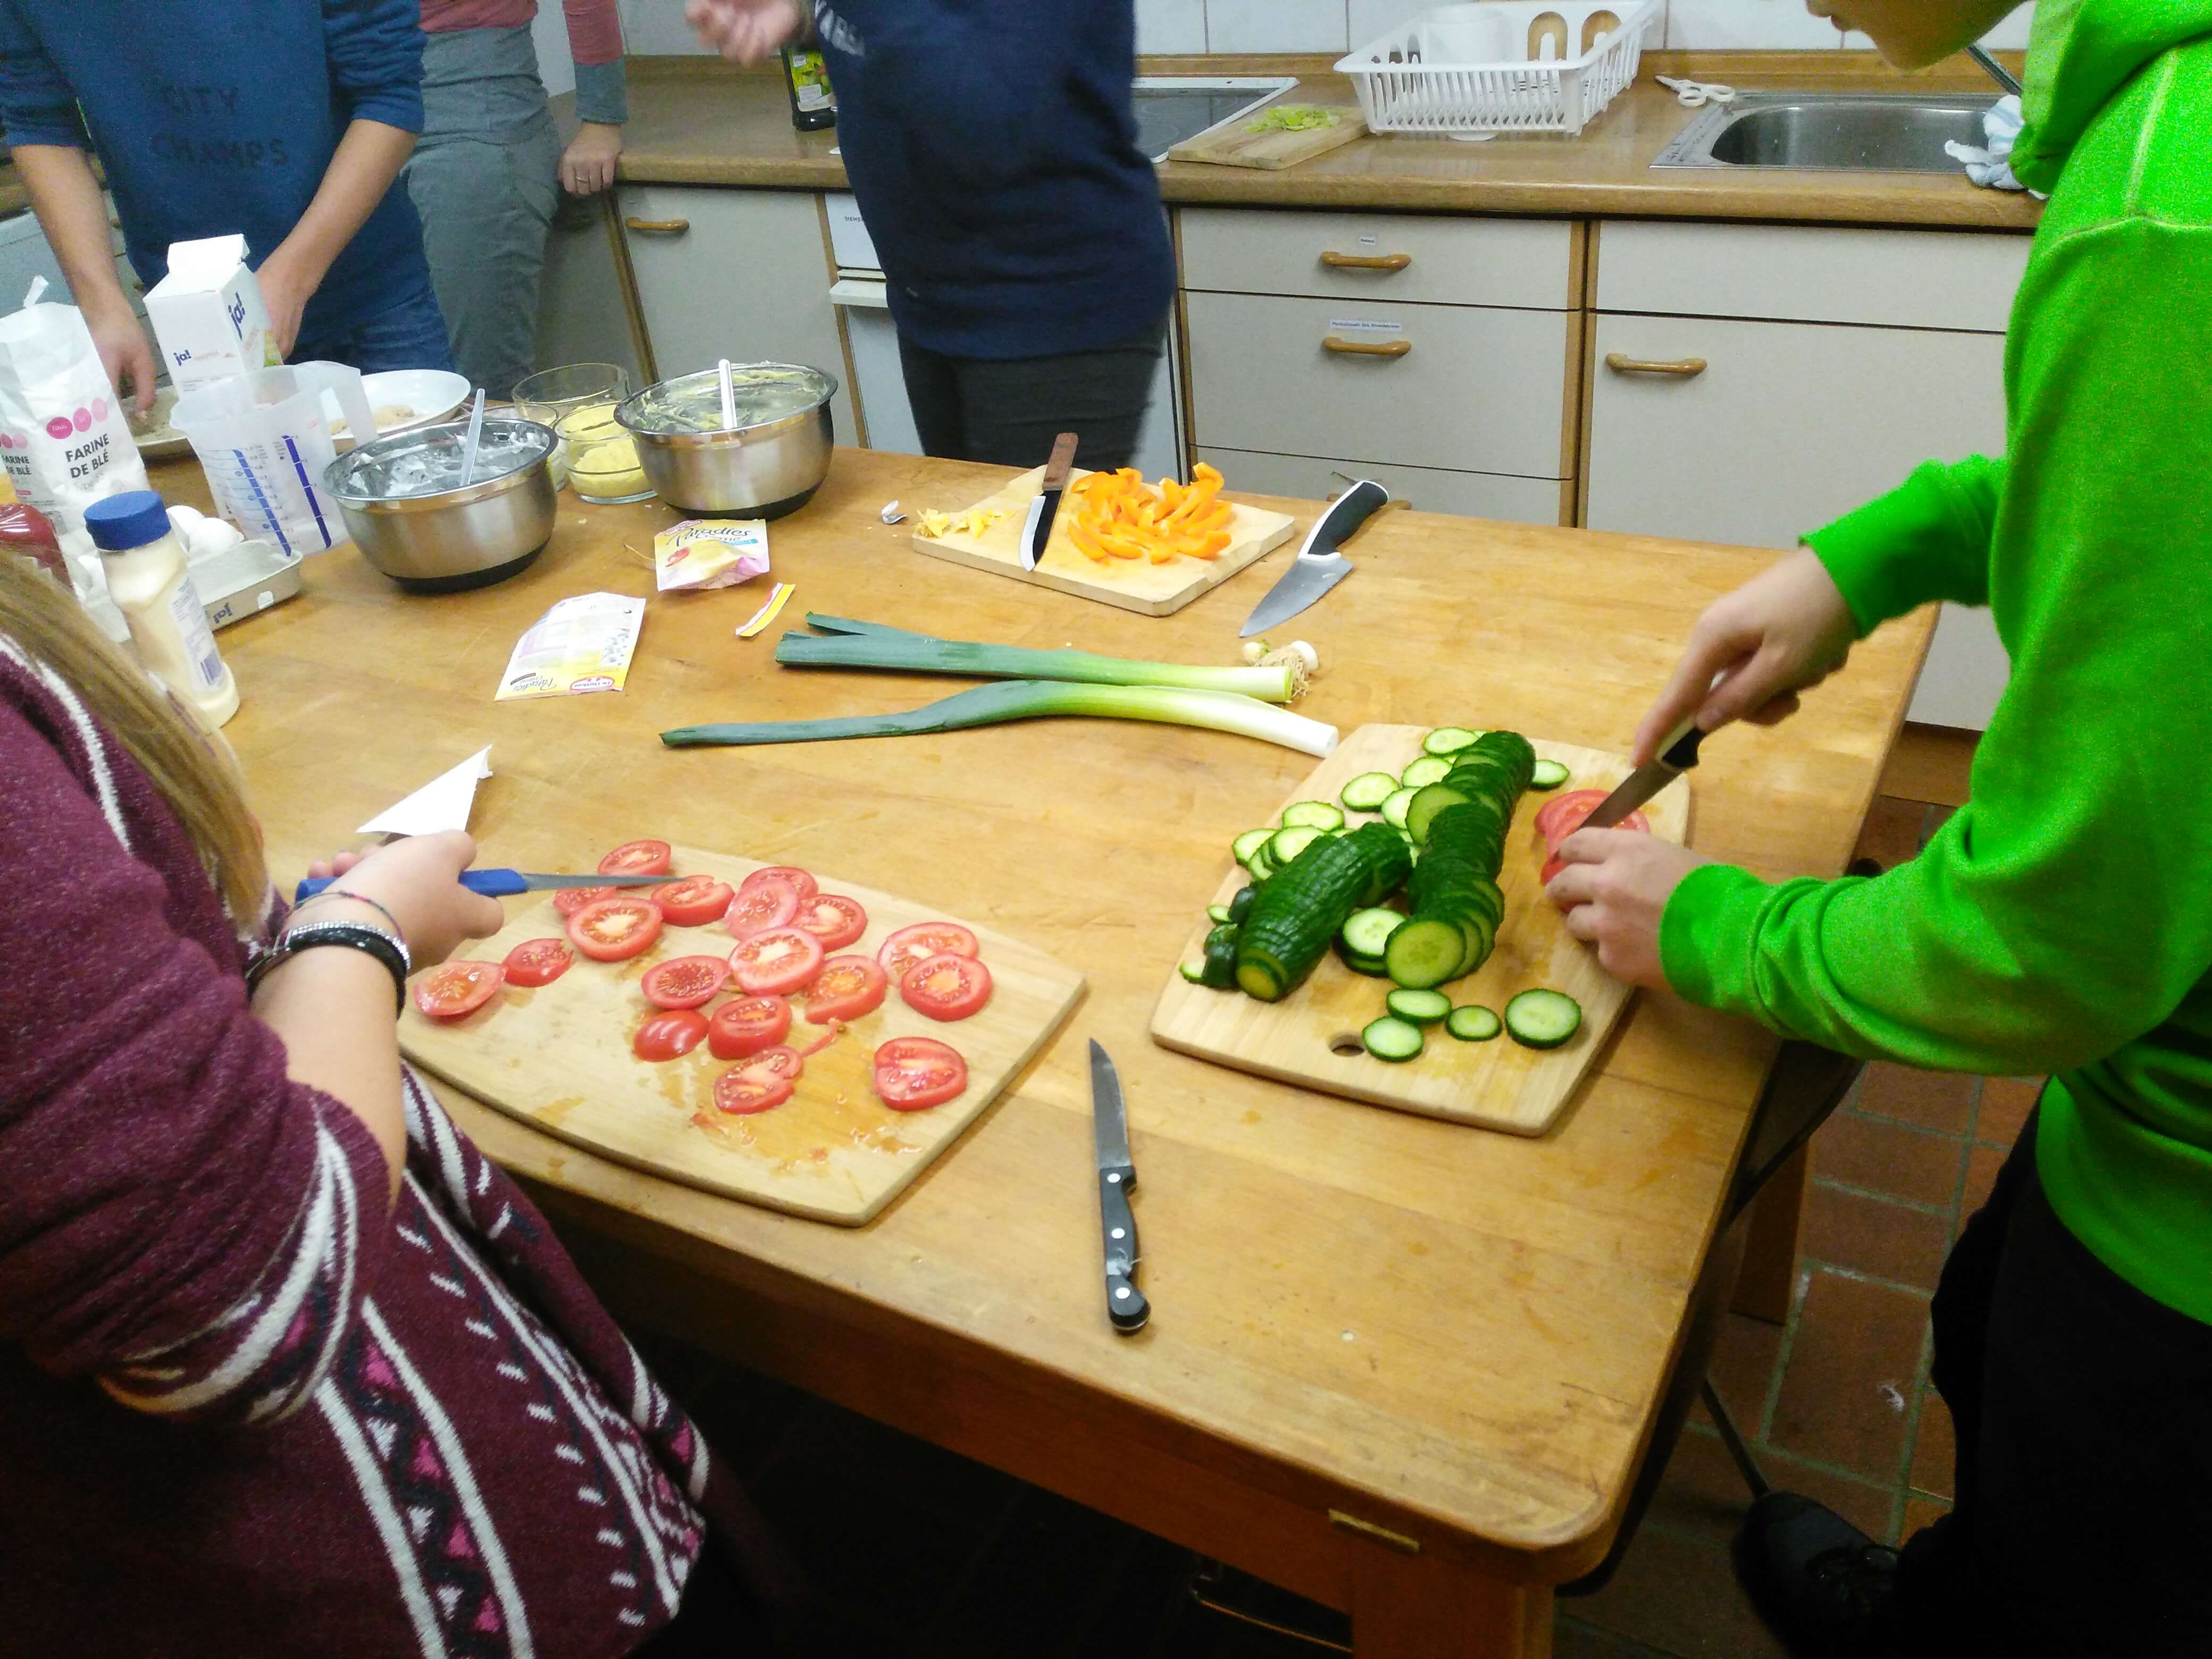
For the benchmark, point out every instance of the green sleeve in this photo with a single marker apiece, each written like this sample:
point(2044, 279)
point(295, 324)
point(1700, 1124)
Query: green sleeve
point(1927, 539)
point(2067, 909)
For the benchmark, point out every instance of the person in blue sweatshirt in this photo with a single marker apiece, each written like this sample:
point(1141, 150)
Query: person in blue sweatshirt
point(285, 120)
point(993, 147)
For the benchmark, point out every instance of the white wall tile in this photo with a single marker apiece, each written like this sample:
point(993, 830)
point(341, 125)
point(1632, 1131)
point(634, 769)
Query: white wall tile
point(1742, 25)
point(656, 28)
point(1370, 20)
point(1276, 26)
point(548, 35)
point(1171, 25)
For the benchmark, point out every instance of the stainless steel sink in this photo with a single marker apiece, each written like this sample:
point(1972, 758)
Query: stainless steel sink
point(1831, 132)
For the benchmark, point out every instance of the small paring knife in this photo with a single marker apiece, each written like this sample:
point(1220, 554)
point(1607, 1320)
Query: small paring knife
point(1677, 754)
point(1038, 530)
point(502, 883)
point(1125, 1304)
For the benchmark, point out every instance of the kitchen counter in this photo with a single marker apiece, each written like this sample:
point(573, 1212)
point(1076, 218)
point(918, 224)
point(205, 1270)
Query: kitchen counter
point(1369, 1326)
point(698, 121)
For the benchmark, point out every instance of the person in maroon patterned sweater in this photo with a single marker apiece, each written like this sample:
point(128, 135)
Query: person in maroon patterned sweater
point(286, 1366)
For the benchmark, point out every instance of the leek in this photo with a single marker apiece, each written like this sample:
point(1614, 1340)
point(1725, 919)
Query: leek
point(849, 625)
point(1276, 683)
point(1023, 699)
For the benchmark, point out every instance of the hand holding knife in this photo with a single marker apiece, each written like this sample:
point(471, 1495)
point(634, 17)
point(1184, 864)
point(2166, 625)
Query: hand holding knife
point(504, 884)
point(1678, 753)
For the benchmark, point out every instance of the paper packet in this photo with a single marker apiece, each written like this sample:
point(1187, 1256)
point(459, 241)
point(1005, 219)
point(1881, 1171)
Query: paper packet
point(582, 644)
point(702, 553)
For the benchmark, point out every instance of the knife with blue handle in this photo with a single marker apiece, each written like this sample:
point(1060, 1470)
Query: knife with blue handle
point(1125, 1304)
point(502, 883)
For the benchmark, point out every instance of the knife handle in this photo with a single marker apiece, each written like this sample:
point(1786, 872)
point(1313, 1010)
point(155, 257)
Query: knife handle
point(1682, 753)
point(492, 884)
point(1125, 1304)
point(1345, 514)
point(1062, 460)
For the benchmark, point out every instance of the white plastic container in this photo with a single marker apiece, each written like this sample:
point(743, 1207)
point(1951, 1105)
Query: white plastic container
point(207, 313)
point(1500, 66)
point(148, 581)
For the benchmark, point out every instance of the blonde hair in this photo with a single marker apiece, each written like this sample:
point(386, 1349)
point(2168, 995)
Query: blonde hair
point(46, 624)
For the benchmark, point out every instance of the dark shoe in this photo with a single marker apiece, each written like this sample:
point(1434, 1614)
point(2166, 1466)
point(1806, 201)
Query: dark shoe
point(1821, 1584)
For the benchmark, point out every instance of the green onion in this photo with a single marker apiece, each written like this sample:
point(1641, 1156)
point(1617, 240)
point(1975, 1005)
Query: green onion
point(1023, 700)
point(917, 654)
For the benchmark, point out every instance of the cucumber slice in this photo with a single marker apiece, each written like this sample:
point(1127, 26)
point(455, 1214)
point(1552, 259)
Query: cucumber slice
point(1430, 768)
point(1421, 811)
point(1392, 1039)
point(1421, 1007)
point(1218, 913)
point(1240, 905)
point(1287, 844)
point(1193, 971)
point(1423, 953)
point(1395, 805)
point(1449, 740)
point(1219, 968)
point(1542, 1019)
point(1365, 932)
point(1473, 1024)
point(1370, 966)
point(1367, 791)
point(1249, 843)
point(1261, 866)
point(1318, 814)
point(1548, 774)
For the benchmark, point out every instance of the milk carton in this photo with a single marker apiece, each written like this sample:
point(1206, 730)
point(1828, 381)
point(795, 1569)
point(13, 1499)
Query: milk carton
point(207, 314)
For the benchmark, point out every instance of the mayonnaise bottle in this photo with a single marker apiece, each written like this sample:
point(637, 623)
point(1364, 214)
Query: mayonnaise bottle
point(146, 579)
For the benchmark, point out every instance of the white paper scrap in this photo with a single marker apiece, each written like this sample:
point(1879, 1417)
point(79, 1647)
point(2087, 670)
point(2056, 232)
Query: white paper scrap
point(442, 804)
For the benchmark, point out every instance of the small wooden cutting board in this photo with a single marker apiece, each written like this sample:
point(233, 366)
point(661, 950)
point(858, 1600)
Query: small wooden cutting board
point(1312, 1035)
point(559, 1057)
point(1155, 590)
point(1231, 145)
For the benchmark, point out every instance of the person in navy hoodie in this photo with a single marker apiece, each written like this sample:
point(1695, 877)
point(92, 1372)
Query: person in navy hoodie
point(285, 120)
point(993, 147)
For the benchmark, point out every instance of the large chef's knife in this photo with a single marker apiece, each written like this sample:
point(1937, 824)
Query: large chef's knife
point(1038, 530)
point(1125, 1304)
point(504, 883)
point(1319, 567)
point(1678, 753)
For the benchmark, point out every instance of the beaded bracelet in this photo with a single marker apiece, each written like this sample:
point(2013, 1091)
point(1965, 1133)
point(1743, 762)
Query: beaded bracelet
point(358, 898)
point(358, 936)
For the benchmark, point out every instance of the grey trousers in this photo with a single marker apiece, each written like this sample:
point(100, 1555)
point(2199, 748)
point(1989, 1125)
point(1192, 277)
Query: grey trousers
point(483, 178)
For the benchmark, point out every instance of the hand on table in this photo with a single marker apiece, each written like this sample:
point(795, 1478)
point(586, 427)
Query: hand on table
point(743, 31)
point(125, 353)
point(1782, 632)
point(1614, 889)
point(418, 879)
point(587, 166)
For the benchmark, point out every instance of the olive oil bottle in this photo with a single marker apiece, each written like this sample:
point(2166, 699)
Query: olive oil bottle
point(813, 105)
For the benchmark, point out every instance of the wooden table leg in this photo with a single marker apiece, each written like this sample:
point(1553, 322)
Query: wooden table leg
point(1769, 1278)
point(1416, 1607)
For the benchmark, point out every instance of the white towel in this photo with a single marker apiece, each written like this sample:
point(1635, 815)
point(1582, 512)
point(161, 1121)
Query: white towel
point(1991, 166)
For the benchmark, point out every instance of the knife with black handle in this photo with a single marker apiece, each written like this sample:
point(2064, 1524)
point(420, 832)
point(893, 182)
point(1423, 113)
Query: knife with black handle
point(1125, 1304)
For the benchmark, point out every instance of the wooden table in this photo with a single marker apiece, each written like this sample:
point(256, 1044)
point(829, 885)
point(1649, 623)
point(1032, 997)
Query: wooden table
point(1400, 1366)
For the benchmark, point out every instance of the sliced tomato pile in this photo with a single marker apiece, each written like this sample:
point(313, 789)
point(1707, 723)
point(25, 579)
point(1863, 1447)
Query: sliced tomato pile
point(747, 1026)
point(913, 1073)
point(921, 941)
point(946, 987)
point(670, 1032)
point(1563, 815)
point(684, 982)
point(760, 905)
point(693, 902)
point(637, 858)
point(834, 919)
point(538, 960)
point(778, 961)
point(615, 929)
point(460, 986)
point(845, 988)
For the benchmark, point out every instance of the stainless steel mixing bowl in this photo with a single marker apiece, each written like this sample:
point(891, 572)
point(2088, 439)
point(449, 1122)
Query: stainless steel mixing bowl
point(431, 536)
point(769, 463)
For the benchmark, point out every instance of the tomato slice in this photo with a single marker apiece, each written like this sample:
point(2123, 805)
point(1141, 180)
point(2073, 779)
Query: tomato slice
point(569, 900)
point(537, 961)
point(762, 905)
point(669, 1033)
point(615, 929)
point(845, 988)
point(912, 1073)
point(790, 874)
point(778, 960)
point(741, 1094)
point(946, 987)
point(779, 1061)
point(920, 942)
point(693, 902)
point(457, 988)
point(834, 919)
point(1561, 818)
point(637, 858)
point(747, 1026)
point(684, 981)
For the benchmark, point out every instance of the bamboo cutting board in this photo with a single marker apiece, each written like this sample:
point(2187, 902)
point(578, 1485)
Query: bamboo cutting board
point(1312, 1035)
point(1230, 145)
point(1138, 585)
point(559, 1057)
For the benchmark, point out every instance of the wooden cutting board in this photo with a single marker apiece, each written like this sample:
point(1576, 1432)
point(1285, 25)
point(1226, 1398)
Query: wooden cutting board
point(1498, 1085)
point(1138, 585)
point(559, 1057)
point(1230, 145)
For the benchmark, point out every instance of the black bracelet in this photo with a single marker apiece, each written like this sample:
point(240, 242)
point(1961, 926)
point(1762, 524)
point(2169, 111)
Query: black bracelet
point(397, 932)
point(357, 936)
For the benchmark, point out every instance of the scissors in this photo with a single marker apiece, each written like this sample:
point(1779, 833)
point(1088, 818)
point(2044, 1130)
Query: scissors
point(1695, 95)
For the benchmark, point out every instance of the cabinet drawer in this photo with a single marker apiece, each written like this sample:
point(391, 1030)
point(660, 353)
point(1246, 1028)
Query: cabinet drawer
point(1478, 262)
point(1474, 389)
point(1896, 278)
point(1425, 489)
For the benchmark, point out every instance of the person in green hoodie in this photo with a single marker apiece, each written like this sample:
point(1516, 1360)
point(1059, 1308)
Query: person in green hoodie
point(2060, 922)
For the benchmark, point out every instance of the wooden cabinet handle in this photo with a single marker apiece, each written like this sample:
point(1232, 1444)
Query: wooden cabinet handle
point(1621, 363)
point(1367, 348)
point(1366, 261)
point(659, 227)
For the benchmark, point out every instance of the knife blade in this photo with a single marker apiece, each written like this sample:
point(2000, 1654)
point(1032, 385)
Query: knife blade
point(504, 883)
point(1125, 1304)
point(1038, 530)
point(1677, 754)
point(1318, 567)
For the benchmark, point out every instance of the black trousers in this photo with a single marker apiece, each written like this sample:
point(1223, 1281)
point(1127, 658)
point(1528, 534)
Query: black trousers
point(1007, 412)
point(2083, 1519)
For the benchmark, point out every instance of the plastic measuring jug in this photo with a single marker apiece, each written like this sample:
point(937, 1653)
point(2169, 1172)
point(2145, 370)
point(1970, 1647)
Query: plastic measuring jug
point(263, 438)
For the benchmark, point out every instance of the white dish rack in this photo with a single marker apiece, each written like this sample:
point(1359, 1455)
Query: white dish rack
point(1500, 66)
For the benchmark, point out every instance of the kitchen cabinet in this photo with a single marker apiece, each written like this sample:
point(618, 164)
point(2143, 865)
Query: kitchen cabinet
point(741, 273)
point(583, 314)
point(1750, 383)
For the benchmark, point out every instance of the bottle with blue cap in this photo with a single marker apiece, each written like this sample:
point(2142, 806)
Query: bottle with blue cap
point(148, 582)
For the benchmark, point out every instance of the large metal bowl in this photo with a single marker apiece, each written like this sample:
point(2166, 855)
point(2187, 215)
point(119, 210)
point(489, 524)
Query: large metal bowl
point(438, 540)
point(768, 463)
